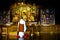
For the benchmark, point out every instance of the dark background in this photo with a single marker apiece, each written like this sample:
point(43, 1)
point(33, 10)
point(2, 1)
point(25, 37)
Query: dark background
point(4, 5)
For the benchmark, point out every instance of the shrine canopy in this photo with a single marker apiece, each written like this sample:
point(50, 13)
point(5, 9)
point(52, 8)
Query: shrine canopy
point(27, 11)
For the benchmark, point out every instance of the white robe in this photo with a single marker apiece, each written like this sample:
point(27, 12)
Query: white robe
point(21, 34)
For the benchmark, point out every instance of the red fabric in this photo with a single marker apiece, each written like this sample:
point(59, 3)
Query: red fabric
point(18, 36)
point(26, 36)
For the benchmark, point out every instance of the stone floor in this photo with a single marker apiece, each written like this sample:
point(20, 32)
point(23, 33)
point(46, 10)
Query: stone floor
point(42, 36)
